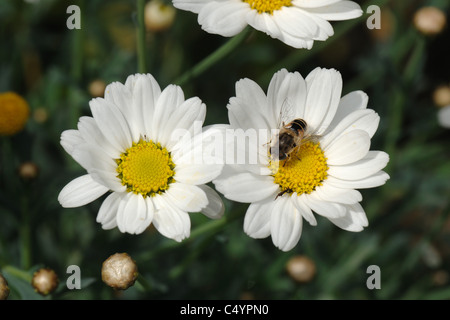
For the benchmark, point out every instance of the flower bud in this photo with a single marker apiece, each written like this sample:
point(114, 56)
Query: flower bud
point(301, 268)
point(14, 113)
point(28, 171)
point(429, 20)
point(45, 281)
point(158, 16)
point(4, 289)
point(441, 96)
point(119, 271)
point(97, 88)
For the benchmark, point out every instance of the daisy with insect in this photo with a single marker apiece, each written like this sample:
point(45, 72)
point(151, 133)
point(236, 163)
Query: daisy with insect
point(313, 155)
point(142, 145)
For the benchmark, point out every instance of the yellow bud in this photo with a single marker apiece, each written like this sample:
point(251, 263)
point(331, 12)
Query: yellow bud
point(14, 113)
point(119, 271)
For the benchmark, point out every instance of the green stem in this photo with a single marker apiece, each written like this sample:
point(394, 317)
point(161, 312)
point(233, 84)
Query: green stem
point(214, 57)
point(25, 234)
point(141, 50)
point(24, 275)
point(144, 283)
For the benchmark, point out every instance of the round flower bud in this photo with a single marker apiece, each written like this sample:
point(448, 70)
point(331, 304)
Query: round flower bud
point(97, 88)
point(158, 16)
point(40, 115)
point(28, 171)
point(45, 281)
point(14, 113)
point(119, 271)
point(4, 289)
point(301, 268)
point(429, 20)
point(441, 96)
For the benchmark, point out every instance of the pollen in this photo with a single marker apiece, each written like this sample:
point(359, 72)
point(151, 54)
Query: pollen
point(268, 6)
point(146, 168)
point(303, 171)
point(14, 113)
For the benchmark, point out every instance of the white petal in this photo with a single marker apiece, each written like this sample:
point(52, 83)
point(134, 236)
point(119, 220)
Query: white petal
point(170, 99)
point(257, 218)
point(304, 210)
point(324, 208)
point(263, 22)
point(342, 10)
point(354, 220)
point(108, 178)
point(226, 18)
point(349, 103)
point(184, 120)
point(146, 92)
point(287, 94)
point(286, 224)
point(246, 187)
point(330, 193)
point(348, 148)
point(190, 5)
point(170, 221)
point(295, 22)
point(107, 214)
point(92, 135)
point(372, 163)
point(365, 119)
point(81, 191)
point(121, 96)
point(313, 3)
point(111, 123)
point(375, 180)
point(324, 91)
point(186, 197)
point(215, 207)
point(72, 142)
point(70, 139)
point(249, 108)
point(133, 215)
point(197, 173)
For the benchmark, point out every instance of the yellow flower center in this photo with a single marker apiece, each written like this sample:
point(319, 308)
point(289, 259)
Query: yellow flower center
point(146, 168)
point(268, 6)
point(14, 113)
point(303, 171)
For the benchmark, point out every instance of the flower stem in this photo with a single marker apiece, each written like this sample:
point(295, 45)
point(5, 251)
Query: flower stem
point(141, 50)
point(214, 57)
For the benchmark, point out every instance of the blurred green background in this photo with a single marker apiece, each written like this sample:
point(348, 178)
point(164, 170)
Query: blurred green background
point(56, 70)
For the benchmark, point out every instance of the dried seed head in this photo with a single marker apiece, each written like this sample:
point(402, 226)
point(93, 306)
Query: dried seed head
point(4, 289)
point(301, 268)
point(45, 281)
point(119, 271)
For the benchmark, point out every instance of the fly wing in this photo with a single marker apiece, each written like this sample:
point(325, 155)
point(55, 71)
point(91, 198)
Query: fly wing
point(286, 113)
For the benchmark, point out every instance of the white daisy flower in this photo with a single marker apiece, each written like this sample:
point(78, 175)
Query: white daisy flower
point(137, 145)
point(295, 22)
point(322, 172)
point(443, 116)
